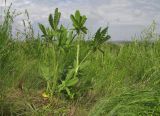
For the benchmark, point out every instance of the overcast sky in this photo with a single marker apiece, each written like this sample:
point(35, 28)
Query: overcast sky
point(124, 17)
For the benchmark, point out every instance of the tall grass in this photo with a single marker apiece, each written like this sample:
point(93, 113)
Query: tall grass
point(61, 73)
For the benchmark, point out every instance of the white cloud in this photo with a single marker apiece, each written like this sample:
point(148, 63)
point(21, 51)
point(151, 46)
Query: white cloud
point(128, 13)
point(4, 3)
point(106, 11)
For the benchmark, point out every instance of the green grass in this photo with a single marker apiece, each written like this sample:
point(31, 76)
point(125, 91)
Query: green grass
point(40, 76)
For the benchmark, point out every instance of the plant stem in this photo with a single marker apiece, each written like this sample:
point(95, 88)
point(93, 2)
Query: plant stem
point(77, 60)
point(85, 57)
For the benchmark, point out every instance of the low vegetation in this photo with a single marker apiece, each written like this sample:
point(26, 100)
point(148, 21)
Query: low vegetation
point(62, 73)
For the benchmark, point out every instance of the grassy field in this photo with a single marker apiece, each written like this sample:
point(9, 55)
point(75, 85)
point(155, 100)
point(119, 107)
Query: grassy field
point(60, 73)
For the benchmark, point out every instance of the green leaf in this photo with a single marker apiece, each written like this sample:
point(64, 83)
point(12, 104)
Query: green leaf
point(77, 15)
point(84, 30)
point(57, 16)
point(50, 19)
point(104, 31)
point(72, 82)
point(84, 18)
point(75, 23)
point(42, 28)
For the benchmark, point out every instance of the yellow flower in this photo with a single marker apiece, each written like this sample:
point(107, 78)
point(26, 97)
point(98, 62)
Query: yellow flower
point(45, 95)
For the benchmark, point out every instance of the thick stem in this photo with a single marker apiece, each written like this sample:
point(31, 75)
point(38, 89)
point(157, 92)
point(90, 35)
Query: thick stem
point(77, 60)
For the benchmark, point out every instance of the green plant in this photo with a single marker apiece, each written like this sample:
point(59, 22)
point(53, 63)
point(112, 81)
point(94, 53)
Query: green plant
point(62, 45)
point(129, 104)
point(72, 77)
point(101, 36)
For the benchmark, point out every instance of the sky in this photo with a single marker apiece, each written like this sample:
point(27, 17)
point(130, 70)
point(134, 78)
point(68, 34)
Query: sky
point(125, 18)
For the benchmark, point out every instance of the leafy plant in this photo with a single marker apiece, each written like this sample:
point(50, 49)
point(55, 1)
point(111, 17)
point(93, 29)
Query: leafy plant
point(62, 45)
point(50, 34)
point(72, 76)
point(78, 22)
point(101, 36)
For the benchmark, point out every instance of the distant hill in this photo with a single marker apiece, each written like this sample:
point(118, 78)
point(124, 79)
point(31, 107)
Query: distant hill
point(120, 41)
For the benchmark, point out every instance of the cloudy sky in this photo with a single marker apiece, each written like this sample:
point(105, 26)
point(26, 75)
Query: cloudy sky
point(124, 17)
